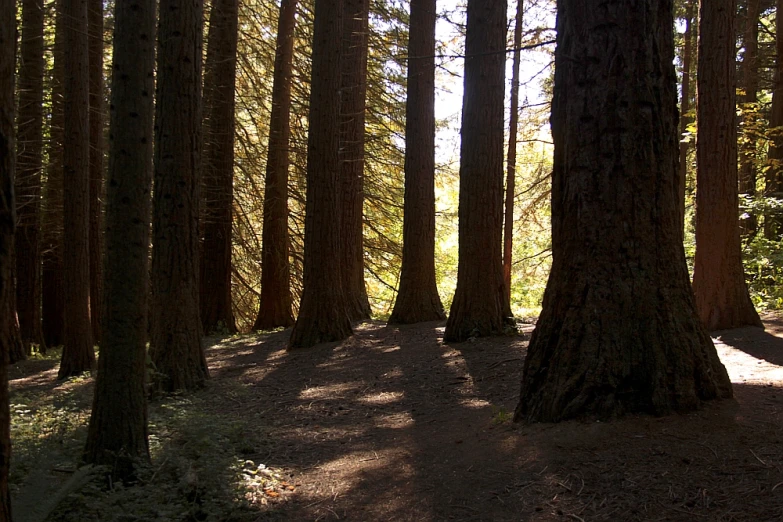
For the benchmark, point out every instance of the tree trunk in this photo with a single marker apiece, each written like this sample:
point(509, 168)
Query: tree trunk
point(511, 158)
point(218, 177)
point(175, 326)
point(95, 27)
point(78, 353)
point(275, 304)
point(618, 332)
point(353, 98)
point(685, 105)
point(17, 350)
point(117, 434)
point(322, 314)
point(417, 298)
point(479, 307)
point(750, 80)
point(718, 279)
point(28, 175)
point(773, 180)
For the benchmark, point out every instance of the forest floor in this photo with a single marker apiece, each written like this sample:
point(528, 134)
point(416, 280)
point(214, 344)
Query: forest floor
point(393, 424)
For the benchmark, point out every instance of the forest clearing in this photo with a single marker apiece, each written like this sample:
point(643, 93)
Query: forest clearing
point(393, 424)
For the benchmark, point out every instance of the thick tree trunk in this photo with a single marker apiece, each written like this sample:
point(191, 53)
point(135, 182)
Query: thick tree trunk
point(275, 304)
point(773, 179)
point(117, 435)
point(479, 307)
point(95, 27)
point(28, 175)
point(218, 177)
point(353, 97)
point(322, 314)
point(511, 157)
point(175, 326)
point(718, 279)
point(78, 353)
point(618, 332)
point(418, 299)
point(685, 105)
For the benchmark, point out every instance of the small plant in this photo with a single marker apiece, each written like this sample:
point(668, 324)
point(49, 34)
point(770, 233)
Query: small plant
point(501, 415)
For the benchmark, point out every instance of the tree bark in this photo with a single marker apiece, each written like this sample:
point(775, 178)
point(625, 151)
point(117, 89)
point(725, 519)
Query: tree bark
point(479, 307)
point(78, 353)
point(685, 105)
point(353, 98)
point(773, 179)
point(275, 303)
point(718, 279)
point(323, 316)
point(95, 27)
point(28, 175)
point(750, 80)
point(618, 332)
point(117, 434)
point(417, 298)
point(175, 326)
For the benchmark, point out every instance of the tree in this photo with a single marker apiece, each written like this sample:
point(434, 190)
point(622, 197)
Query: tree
point(322, 313)
point(275, 302)
point(618, 332)
point(95, 51)
point(353, 99)
point(28, 176)
point(117, 434)
point(218, 165)
point(750, 84)
point(175, 326)
point(722, 298)
point(773, 179)
point(417, 298)
point(78, 353)
point(685, 102)
point(480, 306)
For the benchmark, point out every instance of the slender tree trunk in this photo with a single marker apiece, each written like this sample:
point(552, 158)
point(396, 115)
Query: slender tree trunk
point(418, 299)
point(618, 332)
point(117, 435)
point(17, 350)
point(28, 175)
point(322, 314)
point(750, 80)
point(353, 97)
point(95, 28)
point(175, 326)
point(718, 279)
point(52, 291)
point(511, 158)
point(685, 104)
point(480, 306)
point(773, 180)
point(78, 353)
point(275, 304)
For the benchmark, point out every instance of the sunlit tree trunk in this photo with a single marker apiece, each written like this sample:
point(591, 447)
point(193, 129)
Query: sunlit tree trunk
point(685, 103)
point(718, 279)
point(95, 27)
point(773, 179)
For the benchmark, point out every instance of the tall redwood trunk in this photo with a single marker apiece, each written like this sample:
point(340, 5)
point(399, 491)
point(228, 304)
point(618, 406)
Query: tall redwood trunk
point(689, 41)
point(618, 332)
point(353, 95)
point(28, 175)
point(117, 435)
point(175, 326)
point(773, 179)
point(78, 353)
point(718, 278)
point(322, 314)
point(275, 305)
point(417, 298)
point(218, 167)
point(95, 28)
point(479, 307)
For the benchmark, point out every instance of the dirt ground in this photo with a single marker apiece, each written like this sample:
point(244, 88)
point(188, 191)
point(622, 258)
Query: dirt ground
point(393, 424)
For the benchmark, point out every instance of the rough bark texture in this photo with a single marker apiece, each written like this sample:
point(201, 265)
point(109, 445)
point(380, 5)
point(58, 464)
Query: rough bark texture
point(479, 305)
point(417, 298)
point(7, 218)
point(175, 326)
point(618, 332)
point(28, 174)
point(718, 279)
point(95, 27)
point(353, 95)
point(773, 179)
point(218, 168)
point(689, 41)
point(511, 157)
point(275, 305)
point(322, 314)
point(117, 434)
point(750, 79)
point(78, 353)
point(52, 296)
